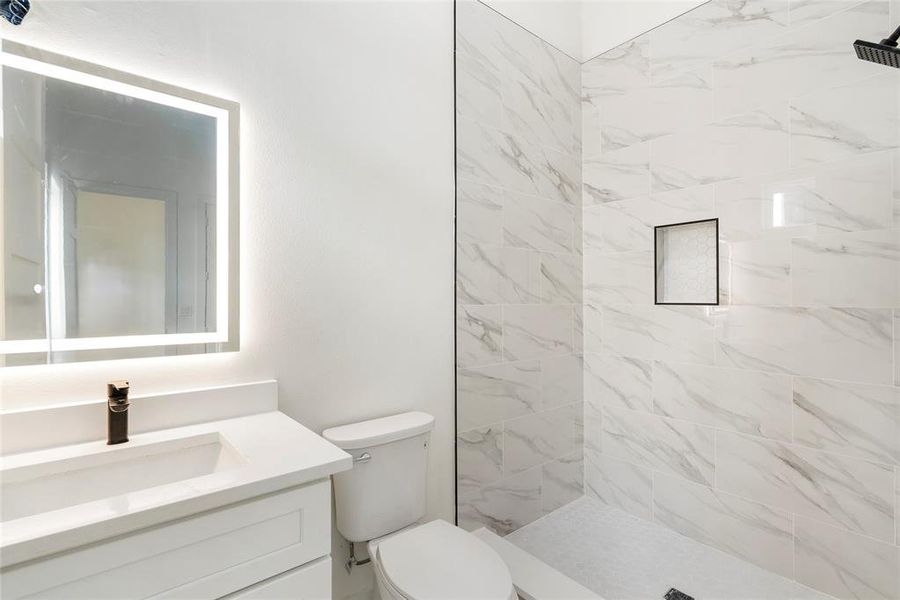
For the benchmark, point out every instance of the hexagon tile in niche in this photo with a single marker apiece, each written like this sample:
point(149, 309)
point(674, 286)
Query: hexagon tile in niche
point(686, 257)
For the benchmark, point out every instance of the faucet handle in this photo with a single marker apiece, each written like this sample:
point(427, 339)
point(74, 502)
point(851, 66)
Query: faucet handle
point(117, 392)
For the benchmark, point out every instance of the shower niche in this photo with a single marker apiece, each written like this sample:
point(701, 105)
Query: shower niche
point(686, 260)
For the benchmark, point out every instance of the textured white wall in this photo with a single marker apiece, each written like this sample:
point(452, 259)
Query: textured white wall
point(346, 200)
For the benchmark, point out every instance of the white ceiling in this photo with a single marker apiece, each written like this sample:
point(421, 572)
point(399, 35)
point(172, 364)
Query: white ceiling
point(585, 28)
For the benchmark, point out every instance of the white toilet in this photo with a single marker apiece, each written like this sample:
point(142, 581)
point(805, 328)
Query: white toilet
point(381, 499)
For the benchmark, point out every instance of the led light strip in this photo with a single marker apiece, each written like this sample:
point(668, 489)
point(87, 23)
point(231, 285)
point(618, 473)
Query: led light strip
point(223, 201)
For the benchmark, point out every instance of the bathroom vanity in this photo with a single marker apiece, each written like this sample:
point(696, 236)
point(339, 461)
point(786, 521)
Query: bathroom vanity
point(237, 507)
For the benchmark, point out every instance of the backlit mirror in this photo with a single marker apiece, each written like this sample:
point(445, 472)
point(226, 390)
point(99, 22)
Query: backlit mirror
point(119, 211)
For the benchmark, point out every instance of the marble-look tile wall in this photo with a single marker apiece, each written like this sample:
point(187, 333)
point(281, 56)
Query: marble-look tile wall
point(768, 426)
point(519, 283)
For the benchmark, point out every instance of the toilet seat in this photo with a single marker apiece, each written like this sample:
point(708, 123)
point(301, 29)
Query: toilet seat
point(440, 561)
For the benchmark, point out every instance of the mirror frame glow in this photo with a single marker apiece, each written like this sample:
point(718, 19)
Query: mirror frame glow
point(227, 116)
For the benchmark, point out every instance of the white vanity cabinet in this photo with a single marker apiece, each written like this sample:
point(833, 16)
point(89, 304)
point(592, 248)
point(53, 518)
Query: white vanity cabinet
point(232, 508)
point(270, 547)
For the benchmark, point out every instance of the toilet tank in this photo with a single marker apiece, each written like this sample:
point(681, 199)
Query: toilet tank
point(385, 489)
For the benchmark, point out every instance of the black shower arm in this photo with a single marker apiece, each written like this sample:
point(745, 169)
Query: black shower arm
point(892, 41)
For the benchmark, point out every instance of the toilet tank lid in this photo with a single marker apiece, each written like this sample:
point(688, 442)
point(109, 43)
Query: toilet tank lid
point(375, 432)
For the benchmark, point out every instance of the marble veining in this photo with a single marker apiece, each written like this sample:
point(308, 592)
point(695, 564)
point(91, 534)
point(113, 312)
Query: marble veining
point(822, 127)
point(655, 442)
point(562, 481)
point(847, 418)
point(767, 426)
point(748, 530)
point(677, 333)
point(618, 381)
point(495, 393)
point(480, 455)
point(479, 335)
point(536, 439)
point(618, 483)
point(846, 565)
point(561, 279)
point(801, 59)
point(503, 506)
point(850, 194)
point(854, 494)
point(853, 344)
point(734, 399)
point(561, 380)
point(849, 269)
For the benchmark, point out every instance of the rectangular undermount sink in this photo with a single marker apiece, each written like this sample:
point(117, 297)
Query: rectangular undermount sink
point(111, 471)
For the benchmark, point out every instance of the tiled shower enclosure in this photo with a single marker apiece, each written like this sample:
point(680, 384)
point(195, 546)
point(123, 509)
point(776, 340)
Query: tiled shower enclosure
point(767, 426)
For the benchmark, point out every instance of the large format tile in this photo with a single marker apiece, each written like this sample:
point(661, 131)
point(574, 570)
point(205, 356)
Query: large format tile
point(515, 52)
point(737, 146)
point(616, 175)
point(495, 393)
point(592, 328)
point(539, 438)
point(561, 280)
point(831, 124)
point(675, 447)
point(532, 222)
point(755, 272)
point(843, 564)
point(847, 269)
point(618, 278)
point(804, 12)
point(478, 90)
point(852, 419)
point(561, 380)
point(494, 274)
point(618, 483)
point(479, 455)
point(802, 60)
point(669, 104)
point(479, 213)
point(616, 72)
point(543, 119)
point(733, 399)
point(502, 159)
point(628, 224)
point(479, 340)
point(618, 381)
point(711, 30)
point(847, 492)
point(503, 506)
point(563, 481)
point(897, 347)
point(851, 194)
point(748, 530)
point(536, 331)
point(853, 344)
point(677, 333)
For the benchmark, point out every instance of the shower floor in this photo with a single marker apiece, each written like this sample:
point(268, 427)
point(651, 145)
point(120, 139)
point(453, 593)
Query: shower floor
point(622, 557)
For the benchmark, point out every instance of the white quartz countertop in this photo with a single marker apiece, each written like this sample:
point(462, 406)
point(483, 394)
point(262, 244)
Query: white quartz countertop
point(276, 452)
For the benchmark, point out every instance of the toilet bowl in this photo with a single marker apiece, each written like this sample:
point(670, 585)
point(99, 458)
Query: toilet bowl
point(438, 561)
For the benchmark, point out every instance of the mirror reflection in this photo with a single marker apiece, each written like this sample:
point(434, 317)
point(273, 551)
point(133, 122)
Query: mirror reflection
point(109, 215)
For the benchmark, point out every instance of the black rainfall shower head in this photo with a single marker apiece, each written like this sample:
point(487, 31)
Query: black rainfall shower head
point(885, 53)
point(14, 11)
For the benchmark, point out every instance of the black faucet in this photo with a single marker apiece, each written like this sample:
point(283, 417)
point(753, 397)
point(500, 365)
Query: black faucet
point(117, 412)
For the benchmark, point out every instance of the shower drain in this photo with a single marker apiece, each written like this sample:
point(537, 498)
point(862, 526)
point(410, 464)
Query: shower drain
point(674, 594)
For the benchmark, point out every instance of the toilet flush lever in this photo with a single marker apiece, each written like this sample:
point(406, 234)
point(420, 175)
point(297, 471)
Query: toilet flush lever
point(362, 458)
